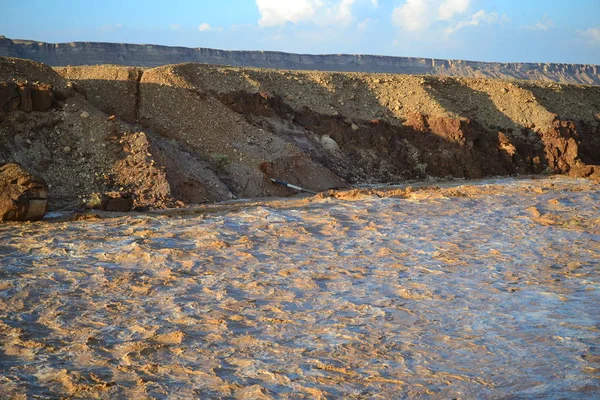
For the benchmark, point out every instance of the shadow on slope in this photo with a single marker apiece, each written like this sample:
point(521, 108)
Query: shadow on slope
point(249, 125)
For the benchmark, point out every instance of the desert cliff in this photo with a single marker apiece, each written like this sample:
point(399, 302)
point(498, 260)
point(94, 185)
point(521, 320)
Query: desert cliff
point(92, 53)
point(194, 133)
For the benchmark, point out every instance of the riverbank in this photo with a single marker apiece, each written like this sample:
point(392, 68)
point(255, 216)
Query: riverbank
point(191, 133)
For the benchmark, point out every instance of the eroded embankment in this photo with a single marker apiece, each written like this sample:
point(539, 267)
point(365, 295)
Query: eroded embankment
point(206, 133)
point(368, 128)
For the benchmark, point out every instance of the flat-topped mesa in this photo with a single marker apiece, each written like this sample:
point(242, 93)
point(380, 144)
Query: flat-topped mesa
point(143, 55)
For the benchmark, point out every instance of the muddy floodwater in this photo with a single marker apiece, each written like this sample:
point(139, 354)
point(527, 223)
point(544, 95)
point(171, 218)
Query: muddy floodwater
point(475, 290)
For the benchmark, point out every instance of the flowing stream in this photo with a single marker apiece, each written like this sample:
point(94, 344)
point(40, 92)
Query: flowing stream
point(476, 290)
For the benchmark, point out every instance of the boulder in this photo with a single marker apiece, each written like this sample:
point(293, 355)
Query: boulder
point(25, 97)
point(329, 144)
point(117, 202)
point(42, 97)
point(23, 197)
point(9, 97)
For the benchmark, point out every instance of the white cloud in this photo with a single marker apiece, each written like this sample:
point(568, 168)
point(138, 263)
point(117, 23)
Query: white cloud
point(450, 8)
point(416, 15)
point(364, 24)
point(277, 12)
point(592, 35)
point(341, 13)
point(320, 12)
point(413, 15)
point(480, 17)
point(542, 25)
point(204, 27)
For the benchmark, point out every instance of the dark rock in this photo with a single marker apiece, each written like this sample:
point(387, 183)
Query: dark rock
point(117, 202)
point(25, 97)
point(63, 93)
point(42, 97)
point(9, 97)
point(23, 197)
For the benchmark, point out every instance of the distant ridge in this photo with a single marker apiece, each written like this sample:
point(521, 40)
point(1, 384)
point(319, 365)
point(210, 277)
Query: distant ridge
point(143, 55)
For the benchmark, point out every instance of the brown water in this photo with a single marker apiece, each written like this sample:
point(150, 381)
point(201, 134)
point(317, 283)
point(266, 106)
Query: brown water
point(484, 291)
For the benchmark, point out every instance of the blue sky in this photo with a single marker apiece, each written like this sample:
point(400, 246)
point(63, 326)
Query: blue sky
point(484, 30)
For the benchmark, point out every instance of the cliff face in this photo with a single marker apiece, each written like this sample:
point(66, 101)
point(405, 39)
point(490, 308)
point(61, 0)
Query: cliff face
point(196, 133)
point(86, 53)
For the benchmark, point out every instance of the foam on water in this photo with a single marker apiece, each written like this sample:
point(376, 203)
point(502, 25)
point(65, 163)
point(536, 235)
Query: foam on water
point(479, 295)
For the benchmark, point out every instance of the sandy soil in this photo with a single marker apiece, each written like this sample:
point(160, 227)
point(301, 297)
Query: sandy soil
point(486, 290)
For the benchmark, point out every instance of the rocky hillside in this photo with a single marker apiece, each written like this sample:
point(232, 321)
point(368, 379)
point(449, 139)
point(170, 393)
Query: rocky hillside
point(193, 133)
point(85, 53)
